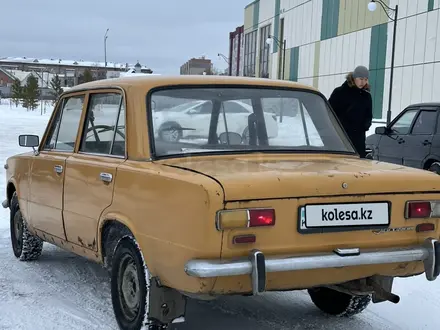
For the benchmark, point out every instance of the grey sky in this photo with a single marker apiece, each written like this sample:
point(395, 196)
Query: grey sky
point(161, 34)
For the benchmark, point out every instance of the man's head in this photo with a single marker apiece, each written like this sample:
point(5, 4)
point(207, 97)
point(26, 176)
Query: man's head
point(360, 76)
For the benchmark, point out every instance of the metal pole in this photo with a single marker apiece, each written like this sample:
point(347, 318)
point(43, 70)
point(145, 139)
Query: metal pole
point(392, 65)
point(283, 77)
point(105, 48)
point(284, 58)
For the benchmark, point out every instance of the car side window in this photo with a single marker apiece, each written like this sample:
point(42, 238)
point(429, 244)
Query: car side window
point(100, 126)
point(64, 129)
point(403, 124)
point(232, 107)
point(204, 109)
point(425, 123)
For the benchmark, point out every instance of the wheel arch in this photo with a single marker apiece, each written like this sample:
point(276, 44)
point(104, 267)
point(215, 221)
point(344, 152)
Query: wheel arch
point(10, 189)
point(111, 228)
point(428, 162)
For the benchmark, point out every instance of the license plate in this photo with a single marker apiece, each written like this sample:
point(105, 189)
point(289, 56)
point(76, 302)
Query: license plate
point(344, 215)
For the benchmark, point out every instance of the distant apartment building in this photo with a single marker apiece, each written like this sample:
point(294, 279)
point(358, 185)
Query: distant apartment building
point(70, 71)
point(196, 66)
point(236, 52)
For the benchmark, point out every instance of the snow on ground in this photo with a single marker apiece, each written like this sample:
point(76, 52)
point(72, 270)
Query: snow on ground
point(62, 291)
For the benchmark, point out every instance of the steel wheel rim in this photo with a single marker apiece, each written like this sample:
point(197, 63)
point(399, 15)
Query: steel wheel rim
point(129, 292)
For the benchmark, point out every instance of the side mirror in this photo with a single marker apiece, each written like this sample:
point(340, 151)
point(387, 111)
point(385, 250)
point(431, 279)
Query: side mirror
point(382, 130)
point(234, 138)
point(30, 141)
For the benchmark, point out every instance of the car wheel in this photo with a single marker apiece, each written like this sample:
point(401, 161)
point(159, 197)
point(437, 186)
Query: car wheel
point(26, 247)
point(338, 303)
point(130, 283)
point(170, 132)
point(435, 167)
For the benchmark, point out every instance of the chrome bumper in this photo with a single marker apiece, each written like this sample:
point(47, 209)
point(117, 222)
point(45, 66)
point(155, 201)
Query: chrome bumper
point(257, 265)
point(5, 203)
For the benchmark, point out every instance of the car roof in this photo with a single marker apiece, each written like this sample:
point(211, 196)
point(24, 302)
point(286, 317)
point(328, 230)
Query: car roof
point(424, 104)
point(151, 81)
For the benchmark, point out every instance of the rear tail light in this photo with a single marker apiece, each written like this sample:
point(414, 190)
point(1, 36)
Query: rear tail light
point(245, 218)
point(422, 209)
point(261, 217)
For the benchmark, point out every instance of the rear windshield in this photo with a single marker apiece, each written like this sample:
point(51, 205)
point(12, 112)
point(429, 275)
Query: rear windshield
point(188, 120)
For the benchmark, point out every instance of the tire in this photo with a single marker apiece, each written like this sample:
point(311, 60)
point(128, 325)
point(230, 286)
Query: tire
point(170, 135)
point(338, 303)
point(435, 167)
point(26, 247)
point(130, 282)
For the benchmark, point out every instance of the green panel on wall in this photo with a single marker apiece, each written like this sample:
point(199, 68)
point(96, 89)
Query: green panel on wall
point(330, 19)
point(287, 64)
point(248, 19)
point(378, 50)
point(256, 13)
point(276, 24)
point(294, 63)
point(430, 5)
point(334, 19)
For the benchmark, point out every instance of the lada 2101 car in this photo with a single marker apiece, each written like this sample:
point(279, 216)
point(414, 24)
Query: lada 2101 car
point(220, 213)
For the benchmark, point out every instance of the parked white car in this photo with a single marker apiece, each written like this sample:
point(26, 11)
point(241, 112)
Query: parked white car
point(192, 120)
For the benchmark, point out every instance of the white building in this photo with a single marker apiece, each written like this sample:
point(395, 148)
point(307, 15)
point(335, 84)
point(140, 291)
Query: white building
point(325, 39)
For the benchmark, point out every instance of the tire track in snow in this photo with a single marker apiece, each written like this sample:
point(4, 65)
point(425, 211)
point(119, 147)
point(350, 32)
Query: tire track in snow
point(68, 295)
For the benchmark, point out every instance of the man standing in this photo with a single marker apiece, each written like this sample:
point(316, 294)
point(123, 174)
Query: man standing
point(353, 105)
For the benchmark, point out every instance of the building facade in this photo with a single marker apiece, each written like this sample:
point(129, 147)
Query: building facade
point(236, 48)
point(326, 39)
point(196, 66)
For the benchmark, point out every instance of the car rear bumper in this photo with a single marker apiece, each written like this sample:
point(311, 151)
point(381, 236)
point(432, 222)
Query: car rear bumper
point(257, 265)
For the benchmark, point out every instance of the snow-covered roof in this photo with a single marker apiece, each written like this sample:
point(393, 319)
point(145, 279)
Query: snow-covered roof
point(43, 79)
point(61, 62)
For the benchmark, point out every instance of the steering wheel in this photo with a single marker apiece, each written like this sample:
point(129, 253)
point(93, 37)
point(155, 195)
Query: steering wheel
point(103, 128)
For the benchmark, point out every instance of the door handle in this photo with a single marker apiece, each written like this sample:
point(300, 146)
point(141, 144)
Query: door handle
point(58, 169)
point(106, 177)
point(426, 142)
point(400, 141)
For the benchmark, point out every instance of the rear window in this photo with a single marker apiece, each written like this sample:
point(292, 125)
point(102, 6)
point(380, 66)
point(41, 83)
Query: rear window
point(230, 119)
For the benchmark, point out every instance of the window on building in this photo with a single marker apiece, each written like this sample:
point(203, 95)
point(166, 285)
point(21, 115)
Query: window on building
point(250, 53)
point(264, 51)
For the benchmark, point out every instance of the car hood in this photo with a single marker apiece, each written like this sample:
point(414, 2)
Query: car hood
point(253, 178)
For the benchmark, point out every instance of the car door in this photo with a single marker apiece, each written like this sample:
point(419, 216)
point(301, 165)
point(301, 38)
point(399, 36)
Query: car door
point(48, 167)
point(435, 146)
point(391, 145)
point(90, 172)
point(198, 119)
point(417, 145)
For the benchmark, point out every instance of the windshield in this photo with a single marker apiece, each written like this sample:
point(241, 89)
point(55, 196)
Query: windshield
point(231, 119)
